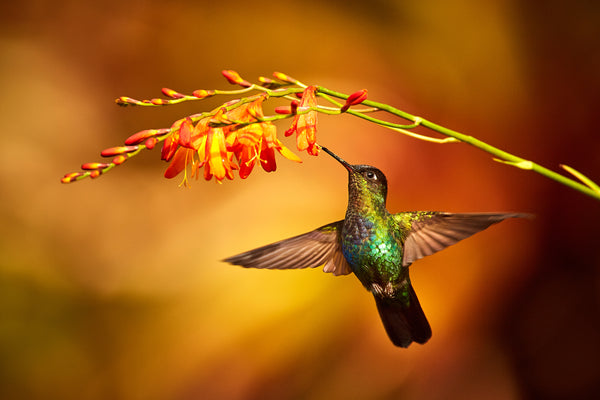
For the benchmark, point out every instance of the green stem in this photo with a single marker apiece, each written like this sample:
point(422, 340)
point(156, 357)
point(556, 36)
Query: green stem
point(502, 156)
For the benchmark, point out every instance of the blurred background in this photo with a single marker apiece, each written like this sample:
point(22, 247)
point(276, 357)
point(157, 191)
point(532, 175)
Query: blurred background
point(113, 288)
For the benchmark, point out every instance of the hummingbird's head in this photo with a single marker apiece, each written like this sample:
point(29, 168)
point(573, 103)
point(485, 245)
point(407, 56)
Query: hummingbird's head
point(364, 180)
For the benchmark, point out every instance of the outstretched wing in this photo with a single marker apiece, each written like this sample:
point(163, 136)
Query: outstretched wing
point(430, 232)
point(319, 247)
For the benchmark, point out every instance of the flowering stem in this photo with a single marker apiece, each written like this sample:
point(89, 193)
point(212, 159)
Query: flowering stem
point(216, 137)
point(587, 186)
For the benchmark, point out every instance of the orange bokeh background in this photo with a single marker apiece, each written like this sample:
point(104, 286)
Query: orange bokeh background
point(113, 288)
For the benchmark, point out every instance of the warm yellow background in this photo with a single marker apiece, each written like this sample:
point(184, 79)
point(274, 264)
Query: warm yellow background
point(113, 289)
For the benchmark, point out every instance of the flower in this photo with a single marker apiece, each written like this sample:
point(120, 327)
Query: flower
point(198, 146)
point(257, 141)
point(235, 136)
point(305, 122)
point(172, 141)
point(214, 142)
point(181, 159)
point(217, 160)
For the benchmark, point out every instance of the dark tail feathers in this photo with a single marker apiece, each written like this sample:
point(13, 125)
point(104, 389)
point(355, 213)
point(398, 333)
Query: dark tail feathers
point(403, 323)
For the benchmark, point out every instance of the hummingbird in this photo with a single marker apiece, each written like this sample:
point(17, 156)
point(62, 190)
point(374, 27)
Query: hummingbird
point(377, 246)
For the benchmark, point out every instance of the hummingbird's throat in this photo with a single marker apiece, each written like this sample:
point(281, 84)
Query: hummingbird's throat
point(362, 199)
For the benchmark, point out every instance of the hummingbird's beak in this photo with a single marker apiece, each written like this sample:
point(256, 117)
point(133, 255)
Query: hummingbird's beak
point(344, 163)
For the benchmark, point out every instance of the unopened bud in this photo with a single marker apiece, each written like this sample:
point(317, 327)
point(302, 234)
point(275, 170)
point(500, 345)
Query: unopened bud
point(141, 136)
point(172, 93)
point(234, 78)
point(127, 101)
point(201, 93)
point(70, 177)
point(294, 106)
point(118, 160)
point(114, 151)
point(354, 98)
point(283, 110)
point(94, 166)
point(150, 143)
point(283, 77)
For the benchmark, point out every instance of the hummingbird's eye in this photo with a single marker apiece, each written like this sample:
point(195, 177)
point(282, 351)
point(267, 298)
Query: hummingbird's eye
point(371, 175)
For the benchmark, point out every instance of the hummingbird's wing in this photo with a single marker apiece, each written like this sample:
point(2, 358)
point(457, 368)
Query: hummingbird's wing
point(429, 232)
point(318, 247)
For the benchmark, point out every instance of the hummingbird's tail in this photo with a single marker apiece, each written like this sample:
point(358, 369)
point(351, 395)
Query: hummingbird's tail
point(404, 323)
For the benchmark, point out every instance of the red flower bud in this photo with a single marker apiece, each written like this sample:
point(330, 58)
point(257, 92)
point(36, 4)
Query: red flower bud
point(68, 178)
point(172, 93)
point(266, 81)
point(94, 166)
point(114, 151)
point(159, 102)
point(95, 173)
point(234, 78)
point(201, 93)
point(354, 98)
point(150, 143)
point(118, 160)
point(294, 106)
point(127, 101)
point(141, 136)
point(283, 110)
point(283, 77)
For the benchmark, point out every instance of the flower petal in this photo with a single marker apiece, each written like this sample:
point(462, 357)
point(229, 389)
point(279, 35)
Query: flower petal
point(287, 153)
point(180, 160)
point(217, 154)
point(247, 159)
point(185, 133)
point(267, 159)
point(169, 147)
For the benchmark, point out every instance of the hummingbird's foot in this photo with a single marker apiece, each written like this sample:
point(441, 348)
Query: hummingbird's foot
point(383, 291)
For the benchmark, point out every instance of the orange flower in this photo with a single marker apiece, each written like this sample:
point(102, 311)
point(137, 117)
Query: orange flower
point(181, 150)
point(257, 141)
point(241, 135)
point(217, 160)
point(234, 136)
point(198, 146)
point(172, 141)
point(305, 123)
point(179, 162)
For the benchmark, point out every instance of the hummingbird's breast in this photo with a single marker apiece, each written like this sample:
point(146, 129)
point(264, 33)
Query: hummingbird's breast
point(373, 249)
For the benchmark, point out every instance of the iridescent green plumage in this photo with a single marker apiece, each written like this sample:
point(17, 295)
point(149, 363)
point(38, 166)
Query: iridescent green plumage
point(378, 247)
